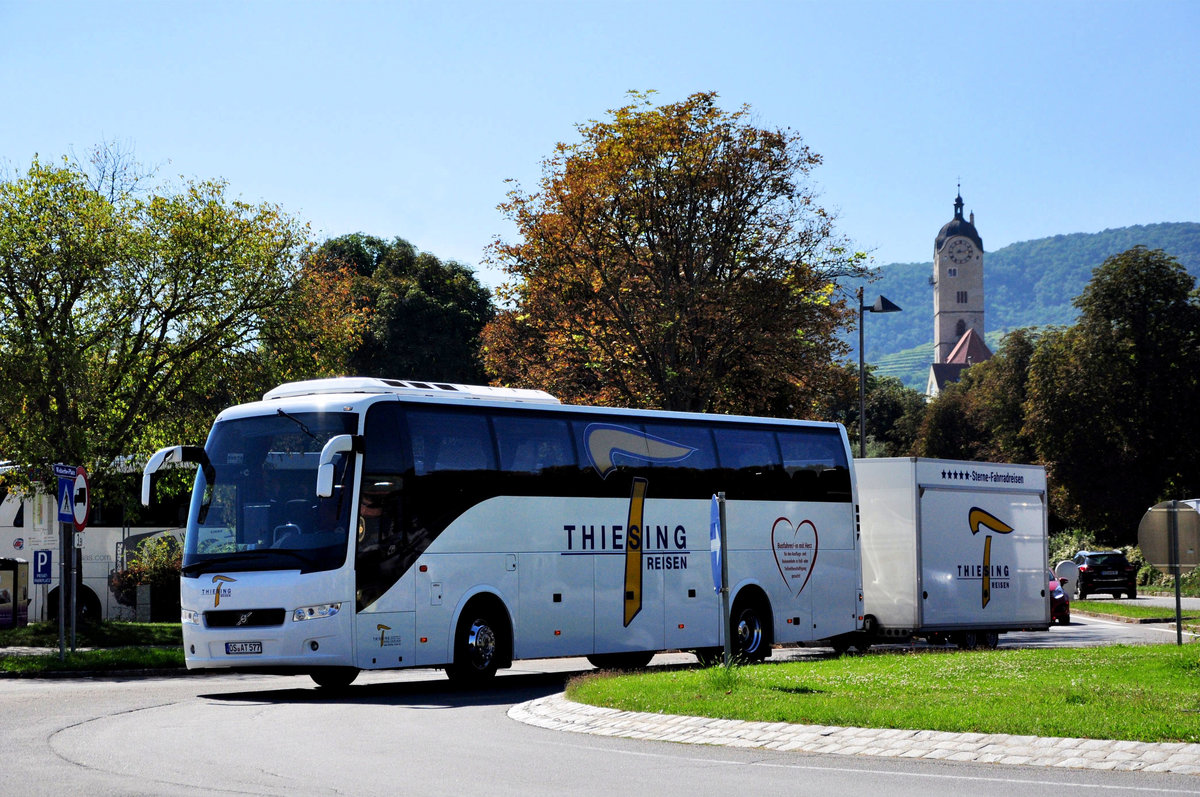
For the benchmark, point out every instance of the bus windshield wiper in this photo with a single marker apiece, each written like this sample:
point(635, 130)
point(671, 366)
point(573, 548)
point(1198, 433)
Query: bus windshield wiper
point(298, 422)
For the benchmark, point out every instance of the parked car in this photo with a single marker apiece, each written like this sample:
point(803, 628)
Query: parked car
point(1060, 600)
point(1105, 571)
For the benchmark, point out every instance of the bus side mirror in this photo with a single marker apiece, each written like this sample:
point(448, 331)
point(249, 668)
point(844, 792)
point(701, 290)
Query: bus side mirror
point(341, 444)
point(179, 454)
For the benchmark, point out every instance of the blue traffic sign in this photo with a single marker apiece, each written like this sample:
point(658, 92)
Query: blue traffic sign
point(43, 567)
point(66, 499)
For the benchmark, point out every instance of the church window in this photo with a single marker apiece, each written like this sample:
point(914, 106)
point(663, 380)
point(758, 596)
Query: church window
point(960, 328)
point(952, 272)
point(962, 297)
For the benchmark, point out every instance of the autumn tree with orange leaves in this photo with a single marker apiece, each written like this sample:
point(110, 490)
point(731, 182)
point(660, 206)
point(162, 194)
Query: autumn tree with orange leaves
point(676, 258)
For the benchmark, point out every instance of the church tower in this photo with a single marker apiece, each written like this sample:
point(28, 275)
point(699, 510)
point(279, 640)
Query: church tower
point(957, 283)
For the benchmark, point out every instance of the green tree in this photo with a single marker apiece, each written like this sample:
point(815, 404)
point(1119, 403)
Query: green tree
point(674, 257)
point(893, 412)
point(1109, 402)
point(982, 416)
point(949, 428)
point(125, 315)
point(424, 315)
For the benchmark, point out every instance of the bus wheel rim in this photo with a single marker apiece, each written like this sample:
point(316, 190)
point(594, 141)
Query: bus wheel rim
point(481, 642)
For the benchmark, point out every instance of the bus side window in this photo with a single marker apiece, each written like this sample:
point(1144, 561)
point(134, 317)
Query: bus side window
point(692, 475)
point(533, 444)
point(816, 464)
point(385, 545)
point(749, 459)
point(445, 440)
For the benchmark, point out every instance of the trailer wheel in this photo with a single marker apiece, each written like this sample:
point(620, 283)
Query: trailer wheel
point(990, 639)
point(966, 640)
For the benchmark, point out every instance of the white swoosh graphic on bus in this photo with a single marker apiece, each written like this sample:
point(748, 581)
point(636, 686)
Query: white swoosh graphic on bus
point(604, 440)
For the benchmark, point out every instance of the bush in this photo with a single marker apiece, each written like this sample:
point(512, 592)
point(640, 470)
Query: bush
point(156, 561)
point(1068, 542)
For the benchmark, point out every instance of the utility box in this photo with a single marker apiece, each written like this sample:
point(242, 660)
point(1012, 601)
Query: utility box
point(14, 593)
point(951, 549)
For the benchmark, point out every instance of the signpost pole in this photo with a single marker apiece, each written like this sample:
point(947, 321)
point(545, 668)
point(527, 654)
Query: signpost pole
point(728, 647)
point(1173, 534)
point(62, 590)
point(74, 583)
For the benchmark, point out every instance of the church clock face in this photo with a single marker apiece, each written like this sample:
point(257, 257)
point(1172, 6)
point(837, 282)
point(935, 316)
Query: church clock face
point(959, 251)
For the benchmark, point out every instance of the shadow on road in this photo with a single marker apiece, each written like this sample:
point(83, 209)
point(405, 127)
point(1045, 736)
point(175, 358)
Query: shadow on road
point(506, 689)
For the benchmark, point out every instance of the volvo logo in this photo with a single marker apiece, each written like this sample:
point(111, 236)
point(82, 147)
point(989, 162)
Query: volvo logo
point(245, 618)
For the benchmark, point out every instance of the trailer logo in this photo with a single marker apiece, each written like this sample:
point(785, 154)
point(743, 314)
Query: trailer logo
point(795, 551)
point(606, 443)
point(980, 518)
point(219, 590)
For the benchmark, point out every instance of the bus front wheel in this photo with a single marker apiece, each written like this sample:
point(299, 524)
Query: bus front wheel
point(334, 678)
point(479, 644)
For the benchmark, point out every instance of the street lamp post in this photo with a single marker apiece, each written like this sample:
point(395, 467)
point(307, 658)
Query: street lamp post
point(882, 305)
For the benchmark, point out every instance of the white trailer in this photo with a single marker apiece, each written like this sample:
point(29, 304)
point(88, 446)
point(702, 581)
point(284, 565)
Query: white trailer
point(952, 551)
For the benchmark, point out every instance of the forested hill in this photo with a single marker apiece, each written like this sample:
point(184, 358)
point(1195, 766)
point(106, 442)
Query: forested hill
point(1030, 283)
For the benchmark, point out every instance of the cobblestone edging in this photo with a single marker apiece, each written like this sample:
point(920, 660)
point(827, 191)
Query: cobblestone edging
point(557, 713)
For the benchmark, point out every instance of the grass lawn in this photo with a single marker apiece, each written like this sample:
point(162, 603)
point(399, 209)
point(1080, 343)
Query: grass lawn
point(1131, 611)
point(104, 634)
point(102, 660)
point(1144, 693)
point(121, 646)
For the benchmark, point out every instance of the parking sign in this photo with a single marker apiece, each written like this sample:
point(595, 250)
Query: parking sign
point(42, 566)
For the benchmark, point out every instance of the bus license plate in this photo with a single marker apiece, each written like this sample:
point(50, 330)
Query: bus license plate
point(234, 648)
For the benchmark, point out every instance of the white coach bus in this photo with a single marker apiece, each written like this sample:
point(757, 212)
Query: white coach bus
point(350, 524)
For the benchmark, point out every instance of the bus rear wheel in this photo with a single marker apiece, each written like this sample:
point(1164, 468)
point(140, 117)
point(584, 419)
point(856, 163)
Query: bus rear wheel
point(479, 644)
point(750, 631)
point(621, 661)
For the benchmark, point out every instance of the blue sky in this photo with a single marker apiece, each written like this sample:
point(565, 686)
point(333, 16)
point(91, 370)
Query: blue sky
point(406, 118)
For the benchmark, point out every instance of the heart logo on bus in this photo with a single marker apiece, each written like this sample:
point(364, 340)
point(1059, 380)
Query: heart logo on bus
point(795, 550)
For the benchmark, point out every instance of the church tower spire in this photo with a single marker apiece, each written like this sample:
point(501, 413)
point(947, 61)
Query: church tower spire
point(957, 296)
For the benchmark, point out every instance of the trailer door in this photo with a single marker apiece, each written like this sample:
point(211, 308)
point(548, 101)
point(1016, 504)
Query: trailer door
point(987, 567)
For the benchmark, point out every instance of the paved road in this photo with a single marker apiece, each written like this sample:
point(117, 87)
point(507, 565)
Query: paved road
point(412, 733)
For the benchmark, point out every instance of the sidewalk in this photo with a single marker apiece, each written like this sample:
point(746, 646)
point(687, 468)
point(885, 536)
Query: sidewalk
point(557, 713)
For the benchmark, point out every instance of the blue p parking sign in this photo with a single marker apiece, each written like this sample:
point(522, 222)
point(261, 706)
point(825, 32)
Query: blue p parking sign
point(42, 566)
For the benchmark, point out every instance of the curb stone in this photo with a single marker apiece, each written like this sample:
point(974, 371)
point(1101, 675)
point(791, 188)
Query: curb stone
point(557, 713)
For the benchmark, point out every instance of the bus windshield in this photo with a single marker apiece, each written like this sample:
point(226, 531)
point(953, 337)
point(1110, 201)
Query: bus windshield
point(256, 508)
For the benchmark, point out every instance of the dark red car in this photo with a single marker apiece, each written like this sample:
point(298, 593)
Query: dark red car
point(1060, 601)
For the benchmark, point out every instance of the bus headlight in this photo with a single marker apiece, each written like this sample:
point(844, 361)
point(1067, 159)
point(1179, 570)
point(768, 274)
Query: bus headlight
point(187, 616)
point(313, 612)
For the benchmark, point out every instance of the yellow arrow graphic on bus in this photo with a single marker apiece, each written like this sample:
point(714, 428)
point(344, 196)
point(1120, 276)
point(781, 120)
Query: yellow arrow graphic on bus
point(633, 550)
point(982, 518)
point(219, 581)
